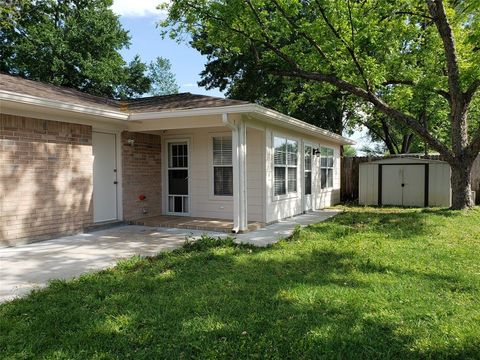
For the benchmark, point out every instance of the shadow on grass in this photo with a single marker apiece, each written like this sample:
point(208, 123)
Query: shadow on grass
point(215, 299)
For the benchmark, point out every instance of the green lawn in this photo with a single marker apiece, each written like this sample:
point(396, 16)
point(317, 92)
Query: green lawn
point(370, 283)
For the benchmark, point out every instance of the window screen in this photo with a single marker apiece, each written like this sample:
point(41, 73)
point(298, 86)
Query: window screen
point(285, 166)
point(326, 167)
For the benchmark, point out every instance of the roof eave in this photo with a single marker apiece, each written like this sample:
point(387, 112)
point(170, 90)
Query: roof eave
point(245, 109)
point(9, 96)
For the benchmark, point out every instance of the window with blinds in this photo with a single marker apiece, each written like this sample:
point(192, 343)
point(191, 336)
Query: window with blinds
point(285, 166)
point(326, 167)
point(222, 166)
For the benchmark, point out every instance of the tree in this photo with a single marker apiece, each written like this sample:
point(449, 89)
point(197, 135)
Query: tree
point(349, 151)
point(163, 80)
point(242, 79)
point(369, 49)
point(73, 43)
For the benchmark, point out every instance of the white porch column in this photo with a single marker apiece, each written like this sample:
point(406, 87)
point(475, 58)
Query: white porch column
point(239, 163)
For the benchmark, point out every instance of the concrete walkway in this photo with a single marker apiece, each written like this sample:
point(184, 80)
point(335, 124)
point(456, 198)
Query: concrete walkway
point(31, 266)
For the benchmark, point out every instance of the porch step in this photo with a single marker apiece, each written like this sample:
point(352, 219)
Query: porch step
point(193, 223)
point(103, 225)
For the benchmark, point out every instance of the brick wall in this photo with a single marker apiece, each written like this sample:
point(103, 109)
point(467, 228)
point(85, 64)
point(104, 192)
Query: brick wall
point(45, 179)
point(142, 174)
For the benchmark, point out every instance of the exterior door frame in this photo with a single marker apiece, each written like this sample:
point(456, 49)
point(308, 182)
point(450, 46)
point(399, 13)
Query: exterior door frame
point(308, 199)
point(116, 172)
point(166, 179)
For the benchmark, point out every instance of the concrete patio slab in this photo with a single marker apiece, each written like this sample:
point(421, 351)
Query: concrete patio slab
point(284, 228)
point(31, 266)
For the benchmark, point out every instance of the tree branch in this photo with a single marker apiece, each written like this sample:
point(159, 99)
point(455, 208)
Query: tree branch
point(472, 89)
point(295, 26)
point(443, 93)
point(381, 106)
point(344, 42)
point(437, 11)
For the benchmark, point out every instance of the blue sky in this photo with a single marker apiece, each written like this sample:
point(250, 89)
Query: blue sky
point(146, 41)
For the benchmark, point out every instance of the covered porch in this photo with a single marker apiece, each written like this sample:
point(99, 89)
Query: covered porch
point(188, 173)
point(195, 223)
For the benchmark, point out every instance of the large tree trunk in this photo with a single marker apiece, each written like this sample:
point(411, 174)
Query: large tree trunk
point(461, 184)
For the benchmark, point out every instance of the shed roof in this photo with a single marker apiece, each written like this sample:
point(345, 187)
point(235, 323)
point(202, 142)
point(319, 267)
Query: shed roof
point(403, 160)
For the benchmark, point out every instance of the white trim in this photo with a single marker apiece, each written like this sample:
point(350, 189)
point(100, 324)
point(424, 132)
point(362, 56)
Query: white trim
point(311, 196)
point(211, 166)
point(274, 116)
point(60, 105)
point(298, 192)
point(268, 115)
point(165, 177)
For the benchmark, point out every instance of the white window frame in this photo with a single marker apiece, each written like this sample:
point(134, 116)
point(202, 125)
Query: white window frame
point(327, 167)
point(291, 194)
point(213, 166)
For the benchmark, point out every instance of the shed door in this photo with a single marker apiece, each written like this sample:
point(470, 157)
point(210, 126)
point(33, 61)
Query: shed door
point(414, 185)
point(392, 185)
point(403, 185)
point(104, 177)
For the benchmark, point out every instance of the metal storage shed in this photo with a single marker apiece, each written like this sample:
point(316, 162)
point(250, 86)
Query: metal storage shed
point(405, 182)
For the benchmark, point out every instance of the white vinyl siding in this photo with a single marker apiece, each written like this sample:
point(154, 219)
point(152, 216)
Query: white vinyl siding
point(285, 166)
point(326, 167)
point(222, 166)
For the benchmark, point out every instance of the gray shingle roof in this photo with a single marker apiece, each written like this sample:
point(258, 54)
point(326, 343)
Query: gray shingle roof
point(183, 101)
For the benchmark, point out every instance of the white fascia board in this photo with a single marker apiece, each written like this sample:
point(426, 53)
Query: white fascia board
point(278, 117)
point(59, 105)
point(301, 125)
point(219, 110)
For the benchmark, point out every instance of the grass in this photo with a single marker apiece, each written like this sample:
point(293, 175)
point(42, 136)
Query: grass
point(369, 283)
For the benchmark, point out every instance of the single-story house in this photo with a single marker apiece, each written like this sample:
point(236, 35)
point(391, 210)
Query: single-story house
point(70, 160)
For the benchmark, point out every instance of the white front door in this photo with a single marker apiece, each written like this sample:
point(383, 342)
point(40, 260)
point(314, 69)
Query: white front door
point(307, 170)
point(104, 177)
point(177, 174)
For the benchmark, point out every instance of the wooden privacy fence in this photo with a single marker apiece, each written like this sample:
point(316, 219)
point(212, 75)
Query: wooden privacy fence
point(351, 165)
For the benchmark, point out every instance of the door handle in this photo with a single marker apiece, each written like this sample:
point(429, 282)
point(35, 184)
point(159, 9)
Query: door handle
point(115, 182)
point(403, 185)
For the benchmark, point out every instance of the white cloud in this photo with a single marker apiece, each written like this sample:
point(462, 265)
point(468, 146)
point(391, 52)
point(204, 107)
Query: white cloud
point(137, 8)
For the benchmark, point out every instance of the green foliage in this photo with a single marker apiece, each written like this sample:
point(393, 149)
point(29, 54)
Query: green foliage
point(73, 43)
point(163, 80)
point(349, 150)
point(367, 284)
point(390, 50)
point(240, 76)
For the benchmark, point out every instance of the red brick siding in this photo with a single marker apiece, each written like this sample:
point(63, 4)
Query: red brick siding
point(45, 178)
point(142, 174)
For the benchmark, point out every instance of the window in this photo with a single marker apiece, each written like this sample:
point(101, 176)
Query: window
point(326, 167)
point(222, 166)
point(285, 166)
point(308, 170)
